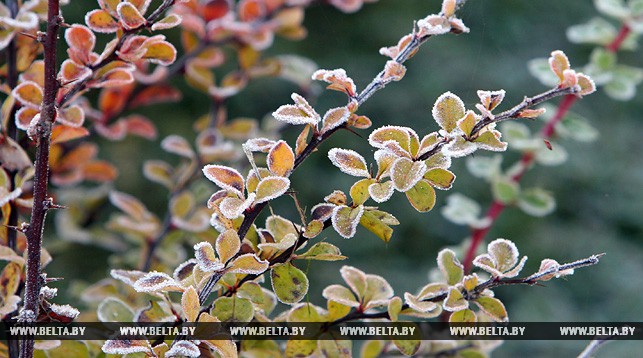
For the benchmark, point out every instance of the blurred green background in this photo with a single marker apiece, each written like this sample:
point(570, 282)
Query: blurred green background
point(598, 190)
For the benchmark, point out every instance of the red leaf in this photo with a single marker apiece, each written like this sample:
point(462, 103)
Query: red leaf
point(156, 94)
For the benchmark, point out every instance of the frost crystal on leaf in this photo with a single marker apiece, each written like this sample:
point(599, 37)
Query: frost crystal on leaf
point(206, 258)
point(433, 25)
point(65, 310)
point(349, 162)
point(126, 346)
point(156, 281)
point(183, 349)
point(346, 219)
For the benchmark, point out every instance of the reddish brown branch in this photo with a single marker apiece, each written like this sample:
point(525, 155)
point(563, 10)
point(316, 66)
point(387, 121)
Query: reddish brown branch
point(496, 208)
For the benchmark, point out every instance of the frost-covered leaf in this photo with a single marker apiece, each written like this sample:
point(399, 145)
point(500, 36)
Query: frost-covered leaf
point(381, 192)
point(355, 278)
point(372, 349)
point(248, 264)
point(540, 69)
point(101, 21)
point(177, 145)
point(408, 347)
point(394, 71)
point(400, 135)
point(281, 159)
point(190, 304)
point(157, 281)
point(349, 162)
point(206, 258)
point(233, 208)
point(332, 346)
point(504, 254)
point(378, 291)
point(183, 348)
point(450, 267)
point(289, 283)
point(586, 84)
point(455, 301)
point(448, 109)
point(29, 94)
point(338, 79)
point(322, 212)
point(270, 188)
point(300, 113)
point(233, 309)
point(227, 245)
point(406, 173)
point(421, 196)
point(558, 62)
point(225, 177)
point(596, 31)
point(493, 307)
point(490, 140)
point(130, 17)
point(323, 251)
point(536, 202)
point(168, 22)
point(340, 294)
point(334, 118)
point(125, 346)
point(345, 220)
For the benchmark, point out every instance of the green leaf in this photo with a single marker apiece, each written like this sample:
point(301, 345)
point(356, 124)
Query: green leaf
point(289, 283)
point(451, 268)
point(407, 346)
point(505, 190)
point(493, 307)
point(372, 349)
point(613, 8)
point(359, 191)
point(484, 167)
point(340, 294)
point(114, 310)
point(577, 128)
point(68, 349)
point(300, 348)
point(602, 59)
point(440, 178)
point(394, 308)
point(463, 316)
point(373, 224)
point(491, 141)
point(455, 301)
point(539, 68)
point(448, 109)
point(536, 202)
point(421, 196)
point(335, 347)
point(461, 210)
point(596, 31)
point(304, 312)
point(323, 251)
point(233, 309)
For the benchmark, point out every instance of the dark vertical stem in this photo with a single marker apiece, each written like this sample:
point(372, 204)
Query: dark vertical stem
point(41, 203)
point(13, 346)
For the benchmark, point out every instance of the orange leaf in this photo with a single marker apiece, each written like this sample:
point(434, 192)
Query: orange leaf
point(70, 71)
point(101, 21)
point(162, 53)
point(214, 9)
point(114, 78)
point(112, 100)
point(29, 94)
point(100, 171)
point(73, 116)
point(156, 94)
point(250, 10)
point(24, 117)
point(131, 18)
point(81, 41)
point(281, 159)
point(169, 22)
point(62, 133)
point(140, 126)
